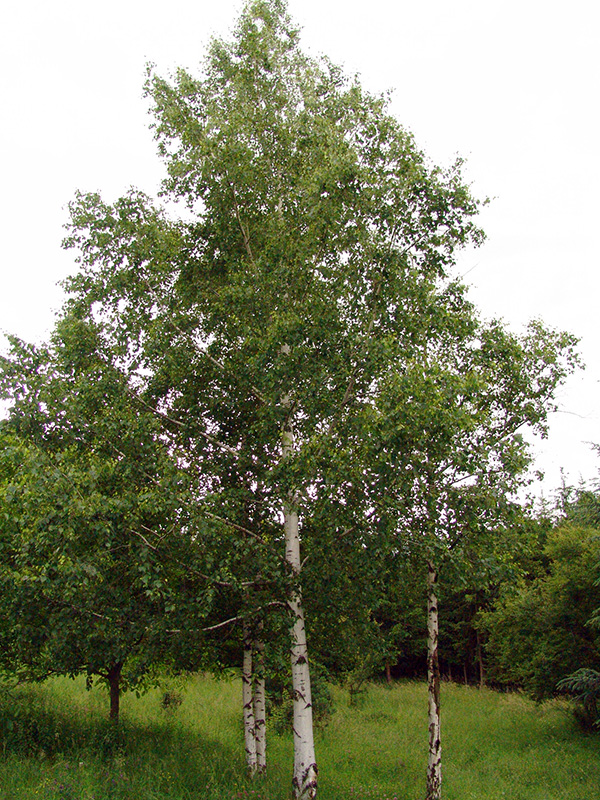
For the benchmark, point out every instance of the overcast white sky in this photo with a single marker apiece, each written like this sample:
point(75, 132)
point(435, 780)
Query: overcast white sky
point(513, 86)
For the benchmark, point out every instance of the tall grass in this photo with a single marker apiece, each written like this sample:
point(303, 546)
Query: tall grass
point(57, 745)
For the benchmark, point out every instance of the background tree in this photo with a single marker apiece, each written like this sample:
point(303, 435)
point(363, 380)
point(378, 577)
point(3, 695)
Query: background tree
point(539, 630)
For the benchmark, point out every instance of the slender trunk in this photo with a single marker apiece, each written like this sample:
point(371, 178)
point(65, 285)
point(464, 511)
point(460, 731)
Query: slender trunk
point(480, 661)
point(434, 766)
point(260, 722)
point(248, 702)
point(114, 687)
point(304, 781)
point(388, 672)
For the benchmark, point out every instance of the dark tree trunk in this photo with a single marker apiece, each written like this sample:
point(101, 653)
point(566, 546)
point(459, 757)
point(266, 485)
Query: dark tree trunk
point(114, 686)
point(388, 673)
point(480, 662)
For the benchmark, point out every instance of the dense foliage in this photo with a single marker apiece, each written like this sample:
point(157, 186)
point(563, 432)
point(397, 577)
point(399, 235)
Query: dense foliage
point(543, 631)
point(84, 482)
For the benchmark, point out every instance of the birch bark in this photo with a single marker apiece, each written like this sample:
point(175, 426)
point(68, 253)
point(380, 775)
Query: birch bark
point(248, 702)
point(434, 765)
point(260, 722)
point(304, 781)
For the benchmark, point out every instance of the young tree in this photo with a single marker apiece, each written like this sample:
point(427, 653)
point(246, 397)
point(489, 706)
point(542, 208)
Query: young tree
point(86, 482)
point(451, 451)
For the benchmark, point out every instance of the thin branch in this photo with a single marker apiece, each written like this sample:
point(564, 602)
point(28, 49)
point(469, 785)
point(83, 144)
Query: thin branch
point(222, 624)
point(151, 408)
point(204, 352)
point(207, 436)
point(245, 236)
point(220, 444)
point(234, 525)
point(231, 619)
point(87, 611)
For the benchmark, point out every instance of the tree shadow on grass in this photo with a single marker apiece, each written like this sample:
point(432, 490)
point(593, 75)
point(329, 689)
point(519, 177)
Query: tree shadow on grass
point(127, 760)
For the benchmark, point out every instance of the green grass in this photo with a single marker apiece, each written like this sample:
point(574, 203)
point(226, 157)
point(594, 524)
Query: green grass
point(58, 746)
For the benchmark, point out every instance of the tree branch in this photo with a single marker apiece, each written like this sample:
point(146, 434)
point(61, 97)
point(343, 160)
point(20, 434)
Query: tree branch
point(187, 567)
point(245, 236)
point(234, 619)
point(204, 352)
point(207, 436)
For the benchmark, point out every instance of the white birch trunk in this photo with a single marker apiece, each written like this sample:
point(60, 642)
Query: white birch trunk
point(248, 703)
point(260, 722)
point(434, 765)
point(304, 781)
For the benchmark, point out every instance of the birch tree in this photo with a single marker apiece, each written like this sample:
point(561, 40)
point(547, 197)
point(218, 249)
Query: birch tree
point(452, 452)
point(253, 698)
point(315, 253)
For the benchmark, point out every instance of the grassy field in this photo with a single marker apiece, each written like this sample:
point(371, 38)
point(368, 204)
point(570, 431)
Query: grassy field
point(57, 746)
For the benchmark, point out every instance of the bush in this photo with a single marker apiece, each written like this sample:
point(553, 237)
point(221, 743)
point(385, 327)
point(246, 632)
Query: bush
point(540, 632)
point(584, 685)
